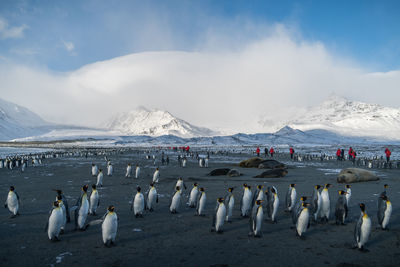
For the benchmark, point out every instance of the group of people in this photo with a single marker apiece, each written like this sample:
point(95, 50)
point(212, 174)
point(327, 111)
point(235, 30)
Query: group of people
point(271, 151)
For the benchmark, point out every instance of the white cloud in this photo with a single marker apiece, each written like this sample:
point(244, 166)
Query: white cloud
point(227, 89)
point(69, 46)
point(6, 31)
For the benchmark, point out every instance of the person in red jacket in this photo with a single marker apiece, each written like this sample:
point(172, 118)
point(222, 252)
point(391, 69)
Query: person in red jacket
point(271, 152)
point(291, 150)
point(353, 155)
point(350, 153)
point(388, 153)
point(338, 154)
point(258, 151)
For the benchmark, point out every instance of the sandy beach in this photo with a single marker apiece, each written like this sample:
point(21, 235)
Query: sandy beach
point(164, 239)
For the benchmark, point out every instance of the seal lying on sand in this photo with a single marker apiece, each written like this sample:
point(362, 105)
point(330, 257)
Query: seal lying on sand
point(355, 175)
point(262, 163)
point(233, 173)
point(274, 173)
point(217, 172)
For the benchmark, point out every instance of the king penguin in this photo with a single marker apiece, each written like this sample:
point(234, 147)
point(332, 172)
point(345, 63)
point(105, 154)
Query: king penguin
point(291, 197)
point(181, 184)
point(297, 209)
point(380, 199)
point(82, 210)
point(65, 203)
point(245, 203)
point(137, 171)
point(362, 229)
point(64, 211)
point(94, 169)
point(152, 197)
point(109, 169)
point(100, 177)
point(325, 203)
point(256, 219)
point(316, 202)
point(341, 209)
point(138, 203)
point(201, 202)
point(156, 176)
point(12, 202)
point(55, 221)
point(230, 203)
point(109, 226)
point(193, 196)
point(303, 220)
point(219, 216)
point(348, 194)
point(175, 201)
point(128, 171)
point(94, 200)
point(384, 212)
point(258, 195)
point(273, 204)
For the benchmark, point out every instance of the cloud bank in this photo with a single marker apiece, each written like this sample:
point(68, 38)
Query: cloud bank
point(221, 88)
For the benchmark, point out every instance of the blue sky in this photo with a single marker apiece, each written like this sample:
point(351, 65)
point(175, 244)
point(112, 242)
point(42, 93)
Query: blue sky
point(66, 35)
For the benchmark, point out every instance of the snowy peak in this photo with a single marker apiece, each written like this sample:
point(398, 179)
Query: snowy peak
point(142, 121)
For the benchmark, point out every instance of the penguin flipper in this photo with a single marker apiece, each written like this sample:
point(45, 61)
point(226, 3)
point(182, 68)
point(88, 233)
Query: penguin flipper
point(381, 212)
point(357, 230)
point(288, 199)
point(76, 218)
point(156, 198)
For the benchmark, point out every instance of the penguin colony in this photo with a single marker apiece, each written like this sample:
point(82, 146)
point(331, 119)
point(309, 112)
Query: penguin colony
point(302, 209)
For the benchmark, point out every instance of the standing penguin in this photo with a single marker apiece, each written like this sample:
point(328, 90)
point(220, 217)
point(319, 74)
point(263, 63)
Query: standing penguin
point(245, 203)
point(65, 203)
point(325, 203)
point(128, 171)
point(230, 203)
point(348, 194)
point(256, 219)
point(109, 226)
point(273, 204)
point(297, 209)
point(201, 202)
point(138, 203)
point(109, 169)
point(82, 211)
point(94, 169)
point(12, 202)
point(316, 202)
point(152, 197)
point(219, 216)
point(55, 221)
point(291, 197)
point(175, 200)
point(94, 200)
point(362, 229)
point(303, 220)
point(341, 208)
point(156, 176)
point(259, 194)
point(100, 178)
point(181, 184)
point(384, 212)
point(380, 199)
point(137, 171)
point(64, 211)
point(193, 196)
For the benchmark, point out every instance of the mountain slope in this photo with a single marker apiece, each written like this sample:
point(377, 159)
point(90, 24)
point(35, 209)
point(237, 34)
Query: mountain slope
point(154, 123)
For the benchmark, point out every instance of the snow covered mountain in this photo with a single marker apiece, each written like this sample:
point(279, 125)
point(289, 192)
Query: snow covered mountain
point(17, 121)
point(154, 123)
point(349, 118)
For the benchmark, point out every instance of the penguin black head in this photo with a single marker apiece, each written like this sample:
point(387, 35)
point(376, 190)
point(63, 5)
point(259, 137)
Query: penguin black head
point(348, 186)
point(384, 197)
point(304, 198)
point(138, 189)
point(273, 190)
point(92, 164)
point(327, 185)
point(85, 188)
point(249, 187)
point(220, 200)
point(292, 185)
point(59, 198)
point(151, 184)
point(230, 189)
point(12, 188)
point(259, 187)
point(93, 186)
point(362, 207)
point(100, 170)
point(55, 204)
point(305, 204)
point(317, 186)
point(386, 186)
point(156, 169)
point(195, 184)
point(244, 185)
point(178, 188)
point(111, 208)
point(258, 202)
point(180, 178)
point(201, 189)
point(341, 192)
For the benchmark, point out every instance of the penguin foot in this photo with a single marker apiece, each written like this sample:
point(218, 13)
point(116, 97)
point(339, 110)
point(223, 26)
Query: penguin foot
point(362, 249)
point(61, 231)
point(220, 232)
point(13, 216)
point(212, 230)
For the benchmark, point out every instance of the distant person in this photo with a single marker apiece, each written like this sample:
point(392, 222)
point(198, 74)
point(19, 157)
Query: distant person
point(167, 160)
point(388, 153)
point(271, 152)
point(291, 151)
point(258, 151)
point(350, 153)
point(342, 154)
point(353, 156)
point(339, 154)
point(266, 151)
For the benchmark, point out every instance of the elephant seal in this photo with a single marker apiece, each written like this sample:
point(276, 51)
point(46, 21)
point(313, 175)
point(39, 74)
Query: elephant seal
point(271, 164)
point(233, 173)
point(251, 162)
point(355, 175)
point(217, 172)
point(274, 173)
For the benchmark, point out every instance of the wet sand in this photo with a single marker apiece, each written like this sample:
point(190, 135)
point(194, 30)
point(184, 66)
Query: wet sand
point(164, 239)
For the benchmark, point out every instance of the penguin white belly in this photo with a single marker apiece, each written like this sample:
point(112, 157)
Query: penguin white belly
point(94, 202)
point(64, 214)
point(110, 170)
point(302, 222)
point(202, 204)
point(109, 228)
point(365, 231)
point(156, 177)
point(176, 200)
point(348, 196)
point(275, 208)
point(326, 204)
point(137, 172)
point(319, 203)
point(206, 163)
point(12, 203)
point(260, 195)
point(94, 171)
point(55, 223)
point(246, 203)
point(293, 199)
point(151, 199)
point(231, 204)
point(83, 211)
point(388, 213)
point(220, 217)
point(138, 205)
point(184, 163)
point(99, 179)
point(193, 197)
point(258, 222)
